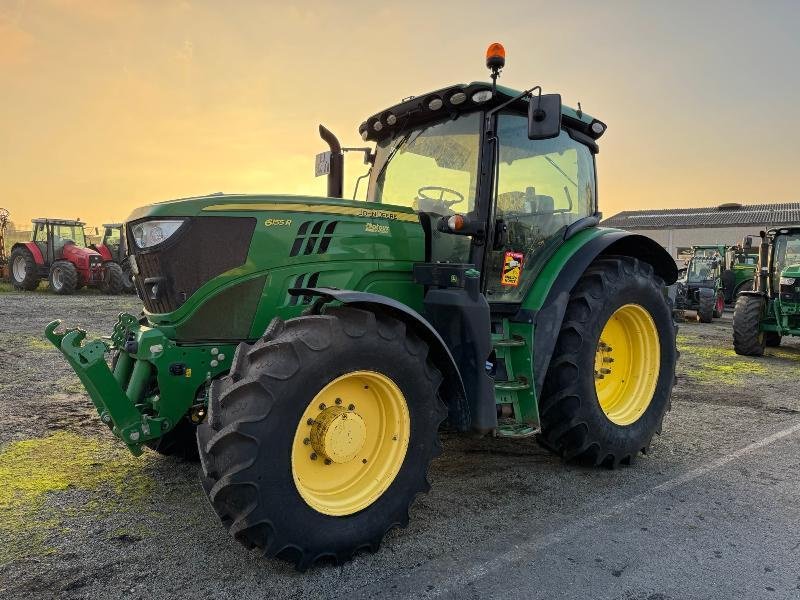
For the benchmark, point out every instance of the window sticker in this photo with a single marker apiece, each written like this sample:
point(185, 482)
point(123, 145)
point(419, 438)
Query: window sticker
point(512, 268)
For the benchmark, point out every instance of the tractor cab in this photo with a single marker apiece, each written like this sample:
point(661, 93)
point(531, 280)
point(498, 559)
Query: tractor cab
point(488, 193)
point(112, 246)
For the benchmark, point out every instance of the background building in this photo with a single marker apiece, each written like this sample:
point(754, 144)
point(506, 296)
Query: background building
point(677, 229)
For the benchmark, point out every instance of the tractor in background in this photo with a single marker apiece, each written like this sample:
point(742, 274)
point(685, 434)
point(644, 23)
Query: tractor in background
point(310, 348)
point(714, 277)
point(113, 249)
point(59, 253)
point(771, 310)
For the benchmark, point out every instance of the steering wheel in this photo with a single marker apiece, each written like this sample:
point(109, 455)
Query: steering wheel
point(423, 196)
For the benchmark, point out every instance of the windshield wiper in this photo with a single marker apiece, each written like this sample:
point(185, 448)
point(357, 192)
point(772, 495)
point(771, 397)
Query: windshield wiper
point(557, 168)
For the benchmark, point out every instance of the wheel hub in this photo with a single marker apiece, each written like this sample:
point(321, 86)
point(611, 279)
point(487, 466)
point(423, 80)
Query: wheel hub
point(338, 434)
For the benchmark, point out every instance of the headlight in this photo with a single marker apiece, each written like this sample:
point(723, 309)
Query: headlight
point(788, 280)
point(151, 233)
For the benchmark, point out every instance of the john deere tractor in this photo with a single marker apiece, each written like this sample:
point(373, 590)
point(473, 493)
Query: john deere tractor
point(59, 253)
point(113, 249)
point(772, 310)
point(315, 346)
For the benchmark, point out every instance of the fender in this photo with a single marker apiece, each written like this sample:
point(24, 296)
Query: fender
point(103, 250)
point(452, 388)
point(611, 242)
point(33, 249)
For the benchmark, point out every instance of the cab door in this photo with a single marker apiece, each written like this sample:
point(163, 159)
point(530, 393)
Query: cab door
point(543, 186)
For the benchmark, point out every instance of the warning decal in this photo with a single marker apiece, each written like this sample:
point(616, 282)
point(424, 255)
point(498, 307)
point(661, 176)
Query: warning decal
point(512, 268)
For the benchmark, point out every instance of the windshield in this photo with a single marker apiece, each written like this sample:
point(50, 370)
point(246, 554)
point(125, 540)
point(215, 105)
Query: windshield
point(63, 233)
point(432, 168)
point(701, 269)
point(746, 259)
point(787, 254)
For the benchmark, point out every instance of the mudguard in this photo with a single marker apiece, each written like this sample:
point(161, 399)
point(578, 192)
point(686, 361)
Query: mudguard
point(549, 317)
point(33, 249)
point(452, 388)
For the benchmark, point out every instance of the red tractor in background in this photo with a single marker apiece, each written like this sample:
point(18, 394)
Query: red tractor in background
point(112, 248)
point(59, 253)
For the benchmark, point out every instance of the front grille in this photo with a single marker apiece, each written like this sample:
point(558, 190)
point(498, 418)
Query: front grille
point(201, 249)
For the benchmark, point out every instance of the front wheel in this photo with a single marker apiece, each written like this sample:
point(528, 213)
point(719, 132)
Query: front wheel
point(63, 277)
point(320, 438)
point(705, 305)
point(719, 306)
point(113, 278)
point(127, 278)
point(611, 375)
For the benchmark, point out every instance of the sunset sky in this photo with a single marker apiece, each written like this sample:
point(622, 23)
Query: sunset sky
point(105, 106)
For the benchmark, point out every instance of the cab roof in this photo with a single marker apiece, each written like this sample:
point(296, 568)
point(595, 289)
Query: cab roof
point(416, 110)
point(46, 221)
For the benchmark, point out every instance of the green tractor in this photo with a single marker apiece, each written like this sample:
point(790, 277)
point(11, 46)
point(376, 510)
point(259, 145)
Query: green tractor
point(310, 349)
point(770, 311)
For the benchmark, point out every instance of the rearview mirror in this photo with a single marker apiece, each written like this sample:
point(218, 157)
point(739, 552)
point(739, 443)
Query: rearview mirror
point(544, 117)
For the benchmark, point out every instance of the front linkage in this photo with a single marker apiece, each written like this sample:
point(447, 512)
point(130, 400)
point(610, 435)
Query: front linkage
point(143, 394)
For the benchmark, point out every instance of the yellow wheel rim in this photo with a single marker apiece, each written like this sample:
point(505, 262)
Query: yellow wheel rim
point(627, 362)
point(350, 443)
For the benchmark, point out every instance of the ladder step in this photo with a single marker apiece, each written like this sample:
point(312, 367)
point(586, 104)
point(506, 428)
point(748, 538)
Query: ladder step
point(512, 386)
point(509, 343)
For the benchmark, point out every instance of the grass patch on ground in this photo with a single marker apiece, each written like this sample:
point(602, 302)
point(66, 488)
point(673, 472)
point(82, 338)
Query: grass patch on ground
point(718, 364)
point(32, 471)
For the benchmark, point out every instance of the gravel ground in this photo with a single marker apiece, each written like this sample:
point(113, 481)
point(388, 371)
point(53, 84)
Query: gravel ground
point(711, 512)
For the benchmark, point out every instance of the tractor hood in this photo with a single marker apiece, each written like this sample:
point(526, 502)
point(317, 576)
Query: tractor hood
point(791, 271)
point(215, 203)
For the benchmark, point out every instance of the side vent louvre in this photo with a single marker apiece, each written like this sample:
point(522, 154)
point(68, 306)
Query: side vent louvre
point(304, 280)
point(312, 238)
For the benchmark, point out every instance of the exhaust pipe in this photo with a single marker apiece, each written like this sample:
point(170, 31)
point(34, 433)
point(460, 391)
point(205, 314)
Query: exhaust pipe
point(336, 173)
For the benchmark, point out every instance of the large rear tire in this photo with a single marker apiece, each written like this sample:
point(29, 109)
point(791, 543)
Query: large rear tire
point(748, 339)
point(63, 277)
point(113, 279)
point(23, 270)
point(321, 436)
point(611, 375)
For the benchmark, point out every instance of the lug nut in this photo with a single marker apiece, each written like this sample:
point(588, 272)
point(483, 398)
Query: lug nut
point(598, 375)
point(605, 371)
point(327, 461)
point(310, 422)
point(351, 407)
point(338, 401)
point(306, 441)
point(608, 359)
point(322, 406)
point(313, 456)
point(364, 460)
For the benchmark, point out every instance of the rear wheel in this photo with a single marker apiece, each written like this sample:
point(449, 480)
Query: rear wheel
point(24, 270)
point(113, 279)
point(63, 277)
point(748, 339)
point(320, 438)
point(611, 375)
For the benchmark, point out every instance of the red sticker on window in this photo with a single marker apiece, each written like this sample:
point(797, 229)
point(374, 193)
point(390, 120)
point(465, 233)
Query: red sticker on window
point(512, 268)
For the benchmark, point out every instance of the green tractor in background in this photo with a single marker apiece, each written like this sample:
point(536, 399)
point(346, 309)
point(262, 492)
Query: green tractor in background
point(772, 310)
point(314, 346)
